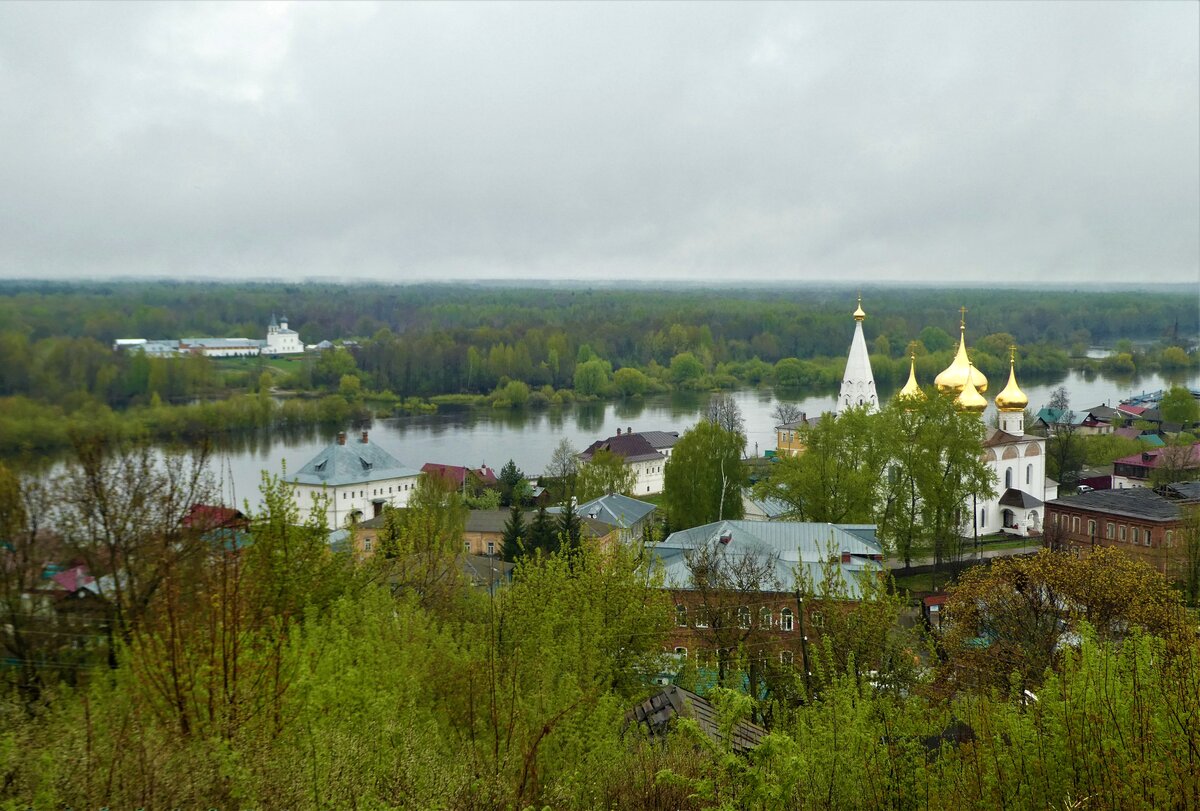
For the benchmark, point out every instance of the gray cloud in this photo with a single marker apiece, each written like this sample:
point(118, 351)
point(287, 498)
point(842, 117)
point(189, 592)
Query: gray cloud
point(1016, 142)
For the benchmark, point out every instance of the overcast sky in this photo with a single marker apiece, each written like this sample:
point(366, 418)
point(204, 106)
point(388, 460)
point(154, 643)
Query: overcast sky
point(1019, 142)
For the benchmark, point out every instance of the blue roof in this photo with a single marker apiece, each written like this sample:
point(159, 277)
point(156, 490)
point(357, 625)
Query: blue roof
point(351, 463)
point(798, 548)
point(615, 509)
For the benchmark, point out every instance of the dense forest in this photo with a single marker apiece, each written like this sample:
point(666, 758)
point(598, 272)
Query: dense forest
point(415, 347)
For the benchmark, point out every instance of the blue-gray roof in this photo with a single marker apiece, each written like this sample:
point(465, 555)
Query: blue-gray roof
point(770, 507)
point(351, 463)
point(798, 549)
point(615, 510)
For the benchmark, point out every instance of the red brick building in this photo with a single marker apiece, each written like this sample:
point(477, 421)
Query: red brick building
point(1145, 523)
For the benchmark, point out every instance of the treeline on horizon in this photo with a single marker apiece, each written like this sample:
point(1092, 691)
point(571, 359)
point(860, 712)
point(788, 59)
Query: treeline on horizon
point(514, 346)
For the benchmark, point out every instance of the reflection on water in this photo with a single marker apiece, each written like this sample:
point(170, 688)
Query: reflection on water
point(528, 437)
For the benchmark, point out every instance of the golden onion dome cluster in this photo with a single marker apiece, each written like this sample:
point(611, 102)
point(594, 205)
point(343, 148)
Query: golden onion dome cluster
point(968, 383)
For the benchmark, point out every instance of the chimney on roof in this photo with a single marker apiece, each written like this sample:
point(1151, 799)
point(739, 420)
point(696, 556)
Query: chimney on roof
point(629, 430)
point(618, 432)
point(726, 537)
point(364, 437)
point(341, 437)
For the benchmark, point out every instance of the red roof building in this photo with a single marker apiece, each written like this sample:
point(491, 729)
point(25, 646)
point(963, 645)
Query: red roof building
point(456, 475)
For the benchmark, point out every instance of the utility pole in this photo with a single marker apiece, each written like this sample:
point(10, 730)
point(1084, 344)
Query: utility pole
point(803, 644)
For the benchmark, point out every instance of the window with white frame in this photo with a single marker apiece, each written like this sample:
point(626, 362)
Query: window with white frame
point(681, 615)
point(765, 617)
point(786, 619)
point(743, 617)
point(786, 657)
point(681, 652)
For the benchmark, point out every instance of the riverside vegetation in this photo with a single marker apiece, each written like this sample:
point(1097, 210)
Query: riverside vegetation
point(258, 668)
point(414, 349)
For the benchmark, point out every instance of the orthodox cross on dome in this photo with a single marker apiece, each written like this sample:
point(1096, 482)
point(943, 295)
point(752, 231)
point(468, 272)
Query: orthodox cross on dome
point(962, 319)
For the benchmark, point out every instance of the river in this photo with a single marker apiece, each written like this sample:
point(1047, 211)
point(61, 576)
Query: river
point(491, 437)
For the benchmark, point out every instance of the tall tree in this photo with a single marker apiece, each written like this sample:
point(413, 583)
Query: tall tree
point(510, 479)
point(1065, 450)
point(569, 528)
point(837, 478)
point(603, 474)
point(422, 542)
point(784, 413)
point(935, 475)
point(724, 411)
point(1178, 405)
point(704, 477)
point(511, 546)
point(123, 510)
point(562, 471)
point(542, 537)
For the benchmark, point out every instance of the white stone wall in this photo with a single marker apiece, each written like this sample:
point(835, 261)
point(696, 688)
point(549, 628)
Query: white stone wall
point(1028, 472)
point(346, 500)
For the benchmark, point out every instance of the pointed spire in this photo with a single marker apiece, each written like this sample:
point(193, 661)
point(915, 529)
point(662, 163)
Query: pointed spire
point(858, 383)
point(911, 390)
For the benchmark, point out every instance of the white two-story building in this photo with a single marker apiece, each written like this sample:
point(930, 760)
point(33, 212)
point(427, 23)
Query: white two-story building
point(646, 453)
point(356, 478)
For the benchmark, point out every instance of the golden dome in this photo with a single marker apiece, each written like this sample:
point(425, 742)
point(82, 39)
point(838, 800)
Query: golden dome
point(911, 389)
point(859, 315)
point(1012, 398)
point(969, 399)
point(954, 377)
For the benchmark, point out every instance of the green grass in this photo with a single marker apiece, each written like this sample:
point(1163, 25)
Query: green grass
point(924, 583)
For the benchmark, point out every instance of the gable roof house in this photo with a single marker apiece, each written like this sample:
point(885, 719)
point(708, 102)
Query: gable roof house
point(645, 452)
point(358, 479)
point(1137, 469)
point(627, 516)
point(457, 476)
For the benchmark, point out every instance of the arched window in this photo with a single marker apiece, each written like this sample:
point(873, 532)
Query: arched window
point(785, 657)
point(681, 653)
point(743, 617)
point(1029, 474)
point(1008, 478)
point(785, 619)
point(681, 615)
point(765, 617)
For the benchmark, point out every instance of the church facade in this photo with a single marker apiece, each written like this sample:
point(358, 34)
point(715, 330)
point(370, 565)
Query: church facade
point(1016, 458)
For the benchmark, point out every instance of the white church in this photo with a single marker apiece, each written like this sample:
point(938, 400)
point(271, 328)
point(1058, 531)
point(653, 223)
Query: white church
point(1018, 459)
point(281, 340)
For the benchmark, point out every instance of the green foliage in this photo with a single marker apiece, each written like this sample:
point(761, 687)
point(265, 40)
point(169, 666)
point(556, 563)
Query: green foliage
point(1178, 405)
point(603, 474)
point(703, 479)
point(836, 479)
point(631, 382)
point(514, 535)
point(592, 377)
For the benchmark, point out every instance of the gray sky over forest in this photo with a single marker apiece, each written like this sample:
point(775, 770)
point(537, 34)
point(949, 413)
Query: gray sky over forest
point(1005, 142)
